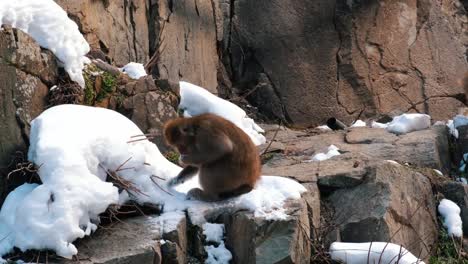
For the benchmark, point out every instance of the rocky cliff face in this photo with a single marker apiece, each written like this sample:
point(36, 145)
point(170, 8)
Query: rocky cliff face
point(353, 56)
point(26, 71)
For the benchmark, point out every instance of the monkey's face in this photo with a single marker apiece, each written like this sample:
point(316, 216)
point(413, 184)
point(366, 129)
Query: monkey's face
point(182, 135)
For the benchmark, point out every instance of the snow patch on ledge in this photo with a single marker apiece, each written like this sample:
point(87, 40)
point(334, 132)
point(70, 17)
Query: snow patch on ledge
point(452, 220)
point(48, 24)
point(134, 70)
point(331, 152)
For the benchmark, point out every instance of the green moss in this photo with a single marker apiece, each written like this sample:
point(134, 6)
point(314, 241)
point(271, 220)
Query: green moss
point(109, 82)
point(172, 156)
point(89, 93)
point(446, 252)
point(108, 86)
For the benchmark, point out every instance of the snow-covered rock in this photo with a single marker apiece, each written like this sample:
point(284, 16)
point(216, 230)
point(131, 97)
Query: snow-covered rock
point(49, 25)
point(195, 101)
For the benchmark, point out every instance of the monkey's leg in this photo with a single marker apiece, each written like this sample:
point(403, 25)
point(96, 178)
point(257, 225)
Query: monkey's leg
point(187, 173)
point(199, 194)
point(236, 192)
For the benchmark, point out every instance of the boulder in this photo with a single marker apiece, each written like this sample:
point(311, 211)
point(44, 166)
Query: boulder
point(26, 72)
point(149, 107)
point(425, 148)
point(257, 240)
point(394, 204)
point(131, 241)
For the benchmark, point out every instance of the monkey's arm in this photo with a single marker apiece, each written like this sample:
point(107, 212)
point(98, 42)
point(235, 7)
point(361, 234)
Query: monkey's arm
point(213, 148)
point(187, 173)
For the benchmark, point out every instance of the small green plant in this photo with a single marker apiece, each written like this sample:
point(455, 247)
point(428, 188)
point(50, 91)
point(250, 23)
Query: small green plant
point(448, 250)
point(172, 156)
point(109, 82)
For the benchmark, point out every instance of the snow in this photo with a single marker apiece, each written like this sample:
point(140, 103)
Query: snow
point(460, 120)
point(380, 252)
point(463, 163)
point(134, 70)
point(359, 123)
point(452, 220)
point(195, 101)
point(213, 232)
point(378, 125)
point(462, 180)
point(218, 255)
point(406, 123)
point(74, 146)
point(48, 24)
point(393, 162)
point(331, 152)
point(324, 127)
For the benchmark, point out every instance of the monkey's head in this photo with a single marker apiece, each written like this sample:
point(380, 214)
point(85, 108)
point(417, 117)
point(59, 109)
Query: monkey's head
point(181, 133)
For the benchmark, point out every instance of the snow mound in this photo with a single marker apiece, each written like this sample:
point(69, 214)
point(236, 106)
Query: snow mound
point(77, 147)
point(375, 252)
point(406, 123)
point(48, 24)
point(134, 70)
point(452, 220)
point(196, 101)
point(332, 151)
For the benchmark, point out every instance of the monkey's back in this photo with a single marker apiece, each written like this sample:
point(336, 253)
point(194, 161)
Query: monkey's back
point(239, 167)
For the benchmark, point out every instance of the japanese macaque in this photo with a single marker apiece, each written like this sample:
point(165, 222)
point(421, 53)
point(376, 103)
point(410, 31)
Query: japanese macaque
point(224, 156)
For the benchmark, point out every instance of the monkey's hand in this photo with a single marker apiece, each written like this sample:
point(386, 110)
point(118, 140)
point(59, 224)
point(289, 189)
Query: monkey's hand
point(187, 173)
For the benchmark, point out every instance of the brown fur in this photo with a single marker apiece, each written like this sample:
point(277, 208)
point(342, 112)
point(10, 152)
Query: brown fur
point(225, 157)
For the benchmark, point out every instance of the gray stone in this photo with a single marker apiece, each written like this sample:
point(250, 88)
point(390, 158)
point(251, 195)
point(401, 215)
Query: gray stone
point(133, 241)
point(425, 148)
point(256, 240)
point(394, 204)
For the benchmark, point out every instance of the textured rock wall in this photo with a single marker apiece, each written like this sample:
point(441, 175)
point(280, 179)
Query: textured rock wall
point(25, 73)
point(320, 59)
point(300, 61)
